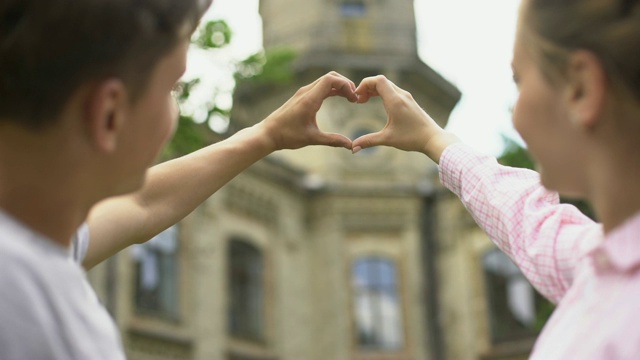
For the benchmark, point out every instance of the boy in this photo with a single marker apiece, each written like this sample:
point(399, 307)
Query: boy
point(85, 107)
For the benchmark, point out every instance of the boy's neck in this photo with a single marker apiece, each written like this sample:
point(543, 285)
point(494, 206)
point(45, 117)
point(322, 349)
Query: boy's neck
point(37, 186)
point(57, 222)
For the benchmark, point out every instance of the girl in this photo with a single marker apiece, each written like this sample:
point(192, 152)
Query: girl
point(577, 67)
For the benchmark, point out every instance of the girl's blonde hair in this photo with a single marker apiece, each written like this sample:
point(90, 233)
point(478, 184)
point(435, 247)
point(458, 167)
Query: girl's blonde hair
point(551, 29)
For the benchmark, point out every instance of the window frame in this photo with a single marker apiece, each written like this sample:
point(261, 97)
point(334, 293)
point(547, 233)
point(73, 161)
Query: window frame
point(512, 334)
point(380, 352)
point(260, 337)
point(162, 311)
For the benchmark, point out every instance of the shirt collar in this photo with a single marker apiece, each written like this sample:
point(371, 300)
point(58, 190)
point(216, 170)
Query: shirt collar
point(12, 229)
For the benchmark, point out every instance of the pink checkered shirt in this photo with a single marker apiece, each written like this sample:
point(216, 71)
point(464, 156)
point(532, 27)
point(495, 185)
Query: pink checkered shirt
point(595, 283)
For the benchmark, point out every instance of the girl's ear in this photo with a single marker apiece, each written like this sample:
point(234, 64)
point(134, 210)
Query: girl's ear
point(106, 114)
point(586, 88)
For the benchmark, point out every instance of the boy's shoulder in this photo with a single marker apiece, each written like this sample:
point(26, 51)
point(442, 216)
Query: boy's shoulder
point(20, 244)
point(32, 268)
point(46, 304)
point(21, 247)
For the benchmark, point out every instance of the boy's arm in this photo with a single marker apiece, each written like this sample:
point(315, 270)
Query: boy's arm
point(171, 191)
point(175, 188)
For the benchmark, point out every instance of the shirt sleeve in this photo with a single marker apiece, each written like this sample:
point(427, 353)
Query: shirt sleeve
point(81, 243)
point(544, 238)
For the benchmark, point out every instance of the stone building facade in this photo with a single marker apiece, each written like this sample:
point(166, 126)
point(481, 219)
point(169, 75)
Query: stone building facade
point(318, 254)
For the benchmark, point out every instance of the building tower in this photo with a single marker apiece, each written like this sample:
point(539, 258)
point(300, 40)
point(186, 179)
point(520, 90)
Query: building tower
point(357, 38)
point(363, 212)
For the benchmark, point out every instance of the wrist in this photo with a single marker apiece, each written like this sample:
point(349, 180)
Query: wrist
point(258, 138)
point(436, 145)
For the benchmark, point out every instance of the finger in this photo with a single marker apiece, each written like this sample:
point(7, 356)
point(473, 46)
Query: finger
point(336, 84)
point(345, 89)
point(348, 94)
point(352, 85)
point(375, 86)
point(334, 140)
point(364, 93)
point(367, 141)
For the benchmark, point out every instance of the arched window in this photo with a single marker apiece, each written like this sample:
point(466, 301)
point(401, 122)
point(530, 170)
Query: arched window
point(156, 281)
point(246, 291)
point(514, 305)
point(377, 305)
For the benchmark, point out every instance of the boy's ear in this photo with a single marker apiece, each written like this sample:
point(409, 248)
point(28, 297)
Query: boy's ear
point(106, 114)
point(586, 88)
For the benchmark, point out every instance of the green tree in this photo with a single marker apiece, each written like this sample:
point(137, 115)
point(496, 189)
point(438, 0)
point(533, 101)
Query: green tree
point(273, 67)
point(260, 69)
point(516, 156)
point(191, 136)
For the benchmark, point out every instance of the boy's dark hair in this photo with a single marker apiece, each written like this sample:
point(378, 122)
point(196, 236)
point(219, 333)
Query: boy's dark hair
point(49, 48)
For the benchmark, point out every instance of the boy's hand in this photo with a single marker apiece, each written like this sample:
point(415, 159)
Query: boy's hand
point(294, 124)
point(408, 127)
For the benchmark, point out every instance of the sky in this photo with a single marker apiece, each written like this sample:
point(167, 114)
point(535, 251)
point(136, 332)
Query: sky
point(469, 42)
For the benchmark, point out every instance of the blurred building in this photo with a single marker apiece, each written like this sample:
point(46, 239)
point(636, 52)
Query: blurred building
point(317, 254)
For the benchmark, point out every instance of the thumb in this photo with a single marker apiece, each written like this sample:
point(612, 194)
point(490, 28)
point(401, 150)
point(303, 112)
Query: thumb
point(334, 140)
point(367, 141)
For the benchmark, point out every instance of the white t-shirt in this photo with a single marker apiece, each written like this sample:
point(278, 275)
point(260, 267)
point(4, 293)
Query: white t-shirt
point(48, 310)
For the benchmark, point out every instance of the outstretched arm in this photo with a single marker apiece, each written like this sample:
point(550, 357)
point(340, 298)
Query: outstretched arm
point(545, 238)
point(175, 188)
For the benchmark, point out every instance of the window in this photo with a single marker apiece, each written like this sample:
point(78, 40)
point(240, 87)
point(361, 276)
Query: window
point(514, 305)
point(377, 305)
point(353, 8)
point(246, 294)
point(356, 27)
point(156, 274)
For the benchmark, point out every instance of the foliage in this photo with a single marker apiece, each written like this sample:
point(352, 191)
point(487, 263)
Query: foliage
point(273, 67)
point(213, 35)
point(517, 156)
point(544, 309)
point(267, 68)
point(191, 136)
